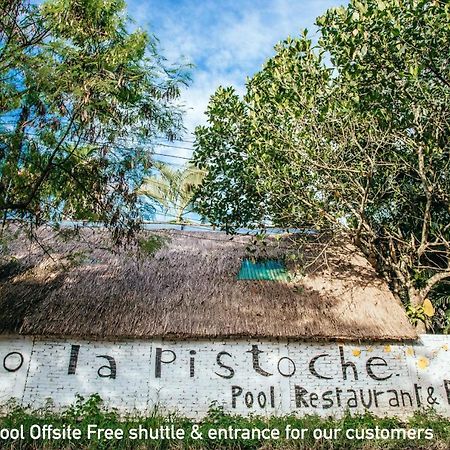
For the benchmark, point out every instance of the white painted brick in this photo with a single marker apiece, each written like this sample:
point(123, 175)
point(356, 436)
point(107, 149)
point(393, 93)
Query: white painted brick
point(12, 383)
point(43, 375)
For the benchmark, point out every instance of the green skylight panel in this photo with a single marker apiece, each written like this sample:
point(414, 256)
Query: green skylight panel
point(270, 269)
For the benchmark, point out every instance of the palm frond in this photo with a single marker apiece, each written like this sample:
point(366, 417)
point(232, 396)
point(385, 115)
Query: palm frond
point(172, 189)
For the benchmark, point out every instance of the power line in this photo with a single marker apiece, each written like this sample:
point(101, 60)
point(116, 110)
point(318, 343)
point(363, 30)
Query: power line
point(128, 142)
point(170, 163)
point(172, 156)
point(184, 158)
point(175, 146)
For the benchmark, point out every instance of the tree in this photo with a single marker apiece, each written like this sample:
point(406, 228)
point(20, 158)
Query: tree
point(173, 190)
point(359, 145)
point(79, 93)
point(228, 195)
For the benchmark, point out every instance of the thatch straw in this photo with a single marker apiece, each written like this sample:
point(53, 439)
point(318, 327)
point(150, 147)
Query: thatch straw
point(189, 289)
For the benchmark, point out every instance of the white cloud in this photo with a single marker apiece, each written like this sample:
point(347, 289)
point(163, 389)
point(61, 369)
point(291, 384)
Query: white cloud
point(226, 40)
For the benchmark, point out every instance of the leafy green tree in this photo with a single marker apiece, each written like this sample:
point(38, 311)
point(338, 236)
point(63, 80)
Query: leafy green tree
point(228, 193)
point(359, 145)
point(172, 190)
point(75, 85)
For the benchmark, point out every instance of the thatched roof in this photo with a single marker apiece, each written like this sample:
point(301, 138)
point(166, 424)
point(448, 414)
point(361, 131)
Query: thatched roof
point(83, 287)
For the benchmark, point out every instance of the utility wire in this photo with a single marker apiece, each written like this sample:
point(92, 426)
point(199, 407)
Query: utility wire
point(128, 142)
point(132, 148)
point(172, 156)
point(129, 145)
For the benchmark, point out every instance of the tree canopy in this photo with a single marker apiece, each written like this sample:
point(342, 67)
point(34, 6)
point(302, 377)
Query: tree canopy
point(350, 134)
point(79, 94)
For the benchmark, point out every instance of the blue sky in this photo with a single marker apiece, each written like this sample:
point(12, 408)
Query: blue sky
point(227, 40)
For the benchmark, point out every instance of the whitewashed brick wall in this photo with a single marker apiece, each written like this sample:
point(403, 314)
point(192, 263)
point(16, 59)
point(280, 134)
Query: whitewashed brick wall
point(258, 377)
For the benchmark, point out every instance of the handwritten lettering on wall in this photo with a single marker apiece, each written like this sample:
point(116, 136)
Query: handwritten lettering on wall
point(266, 377)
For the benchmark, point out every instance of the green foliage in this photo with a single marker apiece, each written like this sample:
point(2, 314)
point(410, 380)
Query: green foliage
point(173, 190)
point(440, 298)
point(416, 314)
point(90, 411)
point(351, 134)
point(149, 245)
point(228, 196)
point(74, 83)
